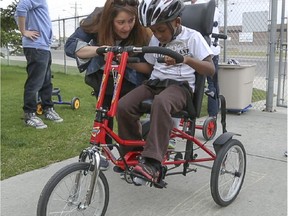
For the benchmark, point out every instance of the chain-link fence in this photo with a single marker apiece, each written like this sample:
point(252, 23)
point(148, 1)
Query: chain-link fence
point(248, 26)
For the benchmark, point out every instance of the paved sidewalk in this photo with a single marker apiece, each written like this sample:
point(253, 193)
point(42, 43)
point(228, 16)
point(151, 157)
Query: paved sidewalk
point(264, 192)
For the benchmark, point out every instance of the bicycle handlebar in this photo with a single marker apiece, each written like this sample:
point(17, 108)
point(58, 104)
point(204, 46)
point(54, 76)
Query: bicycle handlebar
point(146, 49)
point(220, 36)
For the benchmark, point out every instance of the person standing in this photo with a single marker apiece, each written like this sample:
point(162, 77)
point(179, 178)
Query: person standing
point(34, 23)
point(213, 85)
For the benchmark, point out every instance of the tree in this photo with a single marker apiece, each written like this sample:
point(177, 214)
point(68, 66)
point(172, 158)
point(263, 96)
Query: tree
point(10, 35)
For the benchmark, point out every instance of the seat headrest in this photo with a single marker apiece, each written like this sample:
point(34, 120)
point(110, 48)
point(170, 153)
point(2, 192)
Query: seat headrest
point(199, 17)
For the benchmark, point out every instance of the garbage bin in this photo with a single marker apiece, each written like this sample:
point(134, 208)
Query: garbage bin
point(236, 85)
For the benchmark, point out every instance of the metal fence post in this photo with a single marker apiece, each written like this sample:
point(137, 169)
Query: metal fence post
point(281, 73)
point(273, 29)
point(64, 41)
point(225, 32)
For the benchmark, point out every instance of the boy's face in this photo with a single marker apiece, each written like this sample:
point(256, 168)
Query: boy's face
point(162, 31)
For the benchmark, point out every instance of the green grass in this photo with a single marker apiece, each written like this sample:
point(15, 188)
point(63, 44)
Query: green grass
point(25, 148)
point(55, 67)
point(258, 95)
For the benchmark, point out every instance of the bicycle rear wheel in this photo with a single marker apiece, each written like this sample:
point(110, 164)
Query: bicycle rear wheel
point(228, 172)
point(63, 196)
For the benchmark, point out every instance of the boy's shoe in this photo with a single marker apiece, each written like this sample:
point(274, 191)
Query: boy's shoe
point(32, 120)
point(104, 163)
point(147, 171)
point(52, 115)
point(172, 144)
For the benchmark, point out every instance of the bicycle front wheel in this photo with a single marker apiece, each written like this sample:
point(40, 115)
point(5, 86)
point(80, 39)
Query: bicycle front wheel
point(228, 172)
point(65, 193)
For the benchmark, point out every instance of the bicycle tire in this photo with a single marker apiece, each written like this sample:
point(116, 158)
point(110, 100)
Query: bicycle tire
point(209, 128)
point(57, 195)
point(227, 176)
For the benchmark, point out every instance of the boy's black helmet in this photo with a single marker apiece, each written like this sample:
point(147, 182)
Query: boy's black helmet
point(152, 12)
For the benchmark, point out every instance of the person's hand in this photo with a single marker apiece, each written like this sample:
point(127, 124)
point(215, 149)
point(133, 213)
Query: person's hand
point(33, 35)
point(169, 61)
point(105, 54)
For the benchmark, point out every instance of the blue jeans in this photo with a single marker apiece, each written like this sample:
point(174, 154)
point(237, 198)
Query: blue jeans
point(38, 79)
point(213, 103)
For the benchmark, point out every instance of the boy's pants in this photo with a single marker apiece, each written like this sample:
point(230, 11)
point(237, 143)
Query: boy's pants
point(166, 101)
point(38, 79)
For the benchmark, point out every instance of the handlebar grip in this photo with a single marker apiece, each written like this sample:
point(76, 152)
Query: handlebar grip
point(133, 60)
point(164, 51)
point(221, 36)
point(101, 50)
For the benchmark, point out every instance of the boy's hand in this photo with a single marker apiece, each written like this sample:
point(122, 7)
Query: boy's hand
point(169, 61)
point(33, 35)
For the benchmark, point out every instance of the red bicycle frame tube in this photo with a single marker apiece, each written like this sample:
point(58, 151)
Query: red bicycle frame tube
point(100, 129)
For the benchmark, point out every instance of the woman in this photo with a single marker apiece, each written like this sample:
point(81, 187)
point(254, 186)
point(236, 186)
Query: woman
point(115, 24)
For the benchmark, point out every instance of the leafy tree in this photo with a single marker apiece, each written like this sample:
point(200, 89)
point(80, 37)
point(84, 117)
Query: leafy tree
point(10, 35)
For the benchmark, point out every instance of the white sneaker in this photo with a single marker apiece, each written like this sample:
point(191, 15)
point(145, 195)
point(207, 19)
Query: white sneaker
point(172, 144)
point(52, 115)
point(32, 120)
point(104, 163)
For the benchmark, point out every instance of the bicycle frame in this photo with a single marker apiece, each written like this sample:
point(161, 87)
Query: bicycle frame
point(101, 129)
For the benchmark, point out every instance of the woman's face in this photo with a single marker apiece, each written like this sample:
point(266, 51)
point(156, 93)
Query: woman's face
point(123, 24)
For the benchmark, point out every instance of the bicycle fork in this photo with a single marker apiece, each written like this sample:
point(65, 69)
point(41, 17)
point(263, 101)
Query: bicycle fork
point(93, 154)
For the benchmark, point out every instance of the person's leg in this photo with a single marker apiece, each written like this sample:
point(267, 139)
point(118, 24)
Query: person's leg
point(129, 113)
point(213, 86)
point(36, 69)
point(45, 93)
point(171, 100)
point(94, 81)
point(37, 64)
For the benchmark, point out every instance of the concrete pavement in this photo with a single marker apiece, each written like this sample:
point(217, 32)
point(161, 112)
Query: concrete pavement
point(264, 192)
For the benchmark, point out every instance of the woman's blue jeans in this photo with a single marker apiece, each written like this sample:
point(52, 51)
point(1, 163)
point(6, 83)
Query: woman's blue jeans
point(38, 84)
point(213, 103)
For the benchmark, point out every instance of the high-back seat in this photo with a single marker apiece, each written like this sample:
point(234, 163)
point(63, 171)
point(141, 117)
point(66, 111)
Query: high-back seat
point(199, 17)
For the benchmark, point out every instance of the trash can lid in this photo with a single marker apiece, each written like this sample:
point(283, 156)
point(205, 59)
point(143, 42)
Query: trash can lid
point(230, 66)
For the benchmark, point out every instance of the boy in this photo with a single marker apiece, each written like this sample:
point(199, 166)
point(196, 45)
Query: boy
point(35, 26)
point(163, 18)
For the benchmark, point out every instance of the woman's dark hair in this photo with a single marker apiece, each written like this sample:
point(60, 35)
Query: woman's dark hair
point(100, 22)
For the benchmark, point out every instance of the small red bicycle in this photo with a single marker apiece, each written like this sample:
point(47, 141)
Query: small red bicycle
point(82, 188)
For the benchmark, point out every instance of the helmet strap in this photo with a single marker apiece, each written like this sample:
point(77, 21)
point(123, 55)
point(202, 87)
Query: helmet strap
point(174, 32)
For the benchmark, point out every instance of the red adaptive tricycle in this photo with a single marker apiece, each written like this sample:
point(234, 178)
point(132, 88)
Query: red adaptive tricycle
point(83, 187)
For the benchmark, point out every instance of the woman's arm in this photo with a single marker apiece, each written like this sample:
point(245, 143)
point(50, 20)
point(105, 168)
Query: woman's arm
point(142, 67)
point(77, 41)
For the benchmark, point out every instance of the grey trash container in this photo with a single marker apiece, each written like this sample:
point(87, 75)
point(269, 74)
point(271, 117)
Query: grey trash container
point(236, 85)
